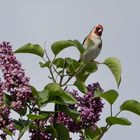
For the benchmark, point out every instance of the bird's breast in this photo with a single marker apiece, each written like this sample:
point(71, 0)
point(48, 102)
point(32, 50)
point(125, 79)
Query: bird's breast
point(93, 50)
point(97, 42)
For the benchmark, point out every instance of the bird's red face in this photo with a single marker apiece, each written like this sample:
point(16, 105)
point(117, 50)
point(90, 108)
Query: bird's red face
point(98, 30)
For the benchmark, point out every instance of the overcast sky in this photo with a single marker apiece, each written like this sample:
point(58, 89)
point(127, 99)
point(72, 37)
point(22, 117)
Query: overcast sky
point(36, 21)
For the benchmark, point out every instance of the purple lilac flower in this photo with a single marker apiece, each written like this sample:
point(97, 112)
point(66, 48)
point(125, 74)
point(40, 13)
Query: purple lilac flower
point(5, 121)
point(14, 82)
point(89, 107)
point(41, 134)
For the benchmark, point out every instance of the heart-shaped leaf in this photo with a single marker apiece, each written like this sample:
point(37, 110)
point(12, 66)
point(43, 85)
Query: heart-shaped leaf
point(59, 62)
point(6, 99)
point(7, 131)
point(79, 46)
point(31, 48)
point(114, 65)
point(43, 65)
point(51, 130)
point(72, 65)
point(20, 123)
point(43, 96)
point(132, 106)
point(58, 46)
point(86, 69)
point(56, 93)
point(115, 120)
point(62, 131)
point(92, 134)
point(81, 86)
point(35, 117)
point(110, 96)
point(23, 130)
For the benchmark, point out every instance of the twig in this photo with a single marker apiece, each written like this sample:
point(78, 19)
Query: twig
point(47, 56)
point(50, 66)
point(71, 76)
point(62, 75)
point(111, 111)
point(106, 127)
point(118, 113)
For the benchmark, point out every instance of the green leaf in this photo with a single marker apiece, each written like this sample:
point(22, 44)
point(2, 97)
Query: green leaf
point(92, 134)
point(132, 106)
point(7, 99)
point(33, 126)
point(17, 125)
point(53, 88)
point(43, 96)
point(22, 112)
point(59, 62)
point(34, 91)
point(62, 131)
point(43, 65)
point(103, 129)
point(115, 120)
point(58, 46)
point(96, 138)
point(35, 117)
point(71, 65)
point(21, 123)
point(71, 113)
point(81, 86)
point(114, 65)
point(110, 96)
point(97, 93)
point(79, 46)
point(31, 48)
point(56, 93)
point(23, 130)
point(86, 69)
point(36, 96)
point(8, 132)
point(51, 130)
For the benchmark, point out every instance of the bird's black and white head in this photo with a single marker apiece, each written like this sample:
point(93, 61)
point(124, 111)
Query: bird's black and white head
point(97, 30)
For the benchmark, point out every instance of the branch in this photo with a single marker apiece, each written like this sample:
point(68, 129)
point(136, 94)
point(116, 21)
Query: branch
point(50, 66)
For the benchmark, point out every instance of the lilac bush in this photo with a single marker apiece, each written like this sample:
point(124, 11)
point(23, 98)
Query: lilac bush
point(75, 110)
point(15, 83)
point(88, 107)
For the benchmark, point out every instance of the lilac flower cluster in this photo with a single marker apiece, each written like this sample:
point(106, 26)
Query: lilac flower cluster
point(14, 82)
point(5, 121)
point(89, 108)
point(40, 133)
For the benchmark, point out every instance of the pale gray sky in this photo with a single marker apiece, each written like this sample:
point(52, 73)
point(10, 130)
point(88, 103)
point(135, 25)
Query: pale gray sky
point(36, 21)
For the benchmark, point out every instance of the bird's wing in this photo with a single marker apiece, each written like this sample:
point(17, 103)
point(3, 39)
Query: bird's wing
point(85, 42)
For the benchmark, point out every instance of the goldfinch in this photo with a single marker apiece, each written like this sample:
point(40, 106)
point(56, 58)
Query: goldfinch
point(92, 44)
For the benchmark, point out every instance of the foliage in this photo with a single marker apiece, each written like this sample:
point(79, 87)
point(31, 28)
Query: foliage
point(73, 112)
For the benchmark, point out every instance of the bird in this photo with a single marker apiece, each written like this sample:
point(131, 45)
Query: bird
point(92, 44)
